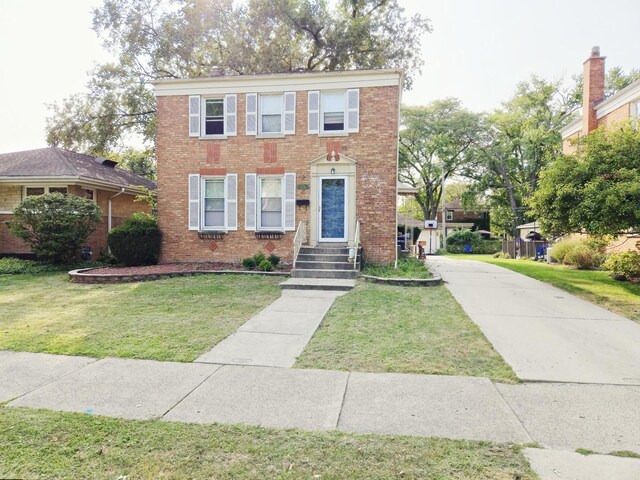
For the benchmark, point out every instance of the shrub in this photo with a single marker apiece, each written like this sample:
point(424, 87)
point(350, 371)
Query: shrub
point(626, 264)
point(55, 225)
point(265, 265)
point(136, 241)
point(259, 257)
point(582, 257)
point(464, 237)
point(501, 255)
point(249, 263)
point(274, 259)
point(560, 249)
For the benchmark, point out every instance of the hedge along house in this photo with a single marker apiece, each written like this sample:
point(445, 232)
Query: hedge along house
point(49, 170)
point(250, 163)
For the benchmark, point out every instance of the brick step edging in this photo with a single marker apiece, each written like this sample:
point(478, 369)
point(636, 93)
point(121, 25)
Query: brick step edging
point(83, 275)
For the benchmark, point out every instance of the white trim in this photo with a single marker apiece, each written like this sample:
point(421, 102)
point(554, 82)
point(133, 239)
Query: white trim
point(250, 218)
point(279, 82)
point(259, 227)
point(346, 208)
point(6, 212)
point(321, 130)
point(251, 116)
point(80, 181)
point(627, 95)
point(194, 127)
point(571, 128)
point(231, 201)
point(193, 197)
point(46, 189)
point(230, 117)
point(203, 118)
point(262, 134)
point(201, 202)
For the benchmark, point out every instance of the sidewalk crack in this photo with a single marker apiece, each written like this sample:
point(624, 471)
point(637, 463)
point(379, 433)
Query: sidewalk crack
point(344, 396)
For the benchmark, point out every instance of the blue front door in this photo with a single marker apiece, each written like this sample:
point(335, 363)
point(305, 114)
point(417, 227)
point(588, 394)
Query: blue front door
point(333, 202)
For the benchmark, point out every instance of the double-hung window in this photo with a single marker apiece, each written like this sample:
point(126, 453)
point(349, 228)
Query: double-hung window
point(213, 200)
point(270, 114)
point(449, 214)
point(333, 109)
point(214, 116)
point(33, 191)
point(271, 202)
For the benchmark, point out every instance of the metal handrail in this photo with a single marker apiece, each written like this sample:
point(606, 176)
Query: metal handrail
point(356, 245)
point(299, 239)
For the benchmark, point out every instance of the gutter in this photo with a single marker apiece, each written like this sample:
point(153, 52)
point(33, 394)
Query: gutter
point(109, 208)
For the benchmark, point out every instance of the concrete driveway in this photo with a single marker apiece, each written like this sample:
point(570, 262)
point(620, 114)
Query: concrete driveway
point(544, 333)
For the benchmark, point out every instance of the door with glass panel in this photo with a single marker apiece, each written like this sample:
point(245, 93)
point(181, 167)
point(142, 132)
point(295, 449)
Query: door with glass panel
point(332, 219)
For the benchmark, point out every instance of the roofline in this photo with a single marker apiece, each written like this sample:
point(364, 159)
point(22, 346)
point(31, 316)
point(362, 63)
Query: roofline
point(571, 128)
point(260, 83)
point(131, 190)
point(624, 96)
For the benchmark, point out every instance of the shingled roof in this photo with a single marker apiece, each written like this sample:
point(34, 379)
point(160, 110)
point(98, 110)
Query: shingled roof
point(58, 162)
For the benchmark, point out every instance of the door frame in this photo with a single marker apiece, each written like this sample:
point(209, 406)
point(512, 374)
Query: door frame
point(345, 202)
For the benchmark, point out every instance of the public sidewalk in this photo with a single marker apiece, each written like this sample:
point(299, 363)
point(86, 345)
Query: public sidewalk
point(544, 333)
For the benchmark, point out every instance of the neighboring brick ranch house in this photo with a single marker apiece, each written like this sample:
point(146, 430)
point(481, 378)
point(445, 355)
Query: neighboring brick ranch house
point(597, 112)
point(246, 161)
point(48, 170)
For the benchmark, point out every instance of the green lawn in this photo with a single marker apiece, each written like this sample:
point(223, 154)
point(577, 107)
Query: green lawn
point(594, 286)
point(384, 328)
point(174, 319)
point(408, 267)
point(37, 444)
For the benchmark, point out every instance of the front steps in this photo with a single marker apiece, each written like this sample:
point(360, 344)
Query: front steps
point(324, 267)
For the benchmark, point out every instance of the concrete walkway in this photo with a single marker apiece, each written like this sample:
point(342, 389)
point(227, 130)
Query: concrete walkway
point(558, 416)
point(544, 333)
point(277, 335)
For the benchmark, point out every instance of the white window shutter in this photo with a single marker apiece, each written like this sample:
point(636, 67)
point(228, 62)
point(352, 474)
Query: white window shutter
point(230, 115)
point(194, 115)
point(250, 201)
point(353, 110)
point(231, 199)
point(194, 202)
point(314, 112)
point(290, 201)
point(252, 113)
point(289, 113)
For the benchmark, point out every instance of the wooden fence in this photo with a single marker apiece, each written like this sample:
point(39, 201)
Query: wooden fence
point(523, 249)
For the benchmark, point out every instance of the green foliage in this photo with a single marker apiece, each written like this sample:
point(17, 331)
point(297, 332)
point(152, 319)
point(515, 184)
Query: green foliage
point(259, 257)
point(136, 241)
point(583, 257)
point(140, 162)
point(560, 249)
point(274, 259)
point(597, 189)
point(249, 263)
point(504, 255)
point(518, 141)
point(15, 266)
point(55, 225)
point(183, 39)
point(626, 264)
point(408, 267)
point(265, 266)
point(440, 134)
point(457, 241)
point(464, 237)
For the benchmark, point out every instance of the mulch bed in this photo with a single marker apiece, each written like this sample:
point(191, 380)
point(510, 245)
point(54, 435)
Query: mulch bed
point(174, 268)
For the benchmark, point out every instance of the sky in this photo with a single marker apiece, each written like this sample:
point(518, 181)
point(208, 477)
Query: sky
point(478, 51)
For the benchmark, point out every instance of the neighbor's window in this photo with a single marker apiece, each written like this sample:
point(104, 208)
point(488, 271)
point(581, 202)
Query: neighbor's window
point(270, 215)
point(62, 190)
point(449, 215)
point(213, 203)
point(33, 191)
point(333, 112)
point(214, 116)
point(270, 114)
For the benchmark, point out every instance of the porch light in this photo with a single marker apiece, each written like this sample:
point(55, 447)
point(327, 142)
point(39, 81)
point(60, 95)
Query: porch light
point(333, 171)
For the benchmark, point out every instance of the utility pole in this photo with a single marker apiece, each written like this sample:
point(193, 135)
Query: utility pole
point(444, 214)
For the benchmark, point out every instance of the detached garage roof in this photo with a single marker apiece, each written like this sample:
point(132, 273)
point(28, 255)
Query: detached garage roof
point(58, 163)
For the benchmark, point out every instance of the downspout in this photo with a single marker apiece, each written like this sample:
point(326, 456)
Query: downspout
point(109, 212)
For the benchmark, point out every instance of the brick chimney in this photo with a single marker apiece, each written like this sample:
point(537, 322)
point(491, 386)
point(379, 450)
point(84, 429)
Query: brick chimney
point(216, 71)
point(593, 89)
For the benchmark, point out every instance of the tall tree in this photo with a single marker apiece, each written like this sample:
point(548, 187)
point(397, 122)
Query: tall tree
point(435, 142)
point(518, 142)
point(155, 39)
point(597, 189)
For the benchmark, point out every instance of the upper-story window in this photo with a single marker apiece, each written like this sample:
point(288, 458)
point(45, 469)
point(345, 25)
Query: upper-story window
point(271, 114)
point(213, 117)
point(334, 112)
point(333, 108)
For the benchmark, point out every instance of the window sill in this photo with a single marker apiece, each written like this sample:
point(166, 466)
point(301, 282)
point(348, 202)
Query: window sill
point(212, 137)
point(270, 135)
point(335, 134)
point(211, 234)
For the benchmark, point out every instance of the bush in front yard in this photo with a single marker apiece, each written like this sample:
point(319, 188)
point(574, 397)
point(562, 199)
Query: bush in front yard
point(136, 241)
point(626, 264)
point(583, 257)
point(55, 225)
point(560, 249)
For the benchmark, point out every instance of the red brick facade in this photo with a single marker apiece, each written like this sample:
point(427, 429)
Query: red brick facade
point(374, 148)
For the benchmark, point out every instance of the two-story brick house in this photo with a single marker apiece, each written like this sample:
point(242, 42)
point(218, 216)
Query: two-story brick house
point(243, 160)
point(596, 110)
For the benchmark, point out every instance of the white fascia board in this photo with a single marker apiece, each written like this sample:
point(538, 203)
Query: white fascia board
point(279, 82)
point(572, 128)
point(623, 97)
point(63, 181)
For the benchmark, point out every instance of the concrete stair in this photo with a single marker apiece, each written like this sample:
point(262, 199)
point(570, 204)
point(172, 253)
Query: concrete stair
point(323, 263)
